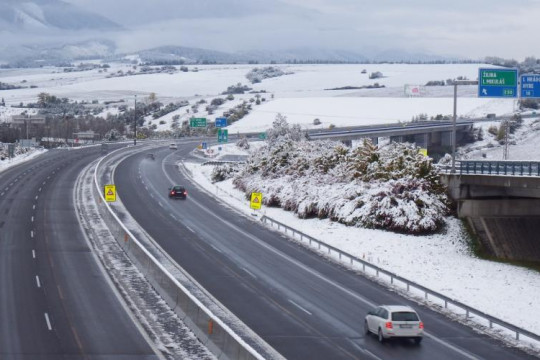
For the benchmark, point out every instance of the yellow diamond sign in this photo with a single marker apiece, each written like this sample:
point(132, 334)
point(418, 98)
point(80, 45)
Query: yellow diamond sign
point(110, 193)
point(256, 201)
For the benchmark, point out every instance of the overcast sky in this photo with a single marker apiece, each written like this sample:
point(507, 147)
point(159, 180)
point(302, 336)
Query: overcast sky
point(467, 28)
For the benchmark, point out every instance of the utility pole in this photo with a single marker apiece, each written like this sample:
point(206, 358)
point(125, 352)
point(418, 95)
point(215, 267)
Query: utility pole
point(506, 139)
point(454, 120)
point(454, 130)
point(135, 123)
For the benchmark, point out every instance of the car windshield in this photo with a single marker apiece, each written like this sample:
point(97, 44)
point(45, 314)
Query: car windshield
point(178, 188)
point(404, 316)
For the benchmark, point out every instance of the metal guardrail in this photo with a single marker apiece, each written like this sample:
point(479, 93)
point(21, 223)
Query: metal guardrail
point(352, 260)
point(507, 168)
point(219, 338)
point(514, 168)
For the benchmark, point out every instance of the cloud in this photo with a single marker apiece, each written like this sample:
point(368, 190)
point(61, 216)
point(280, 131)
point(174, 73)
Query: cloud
point(471, 29)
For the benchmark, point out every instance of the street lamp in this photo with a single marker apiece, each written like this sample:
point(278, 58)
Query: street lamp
point(454, 119)
point(135, 123)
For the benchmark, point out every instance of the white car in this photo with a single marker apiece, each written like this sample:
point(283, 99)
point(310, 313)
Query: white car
point(173, 147)
point(394, 321)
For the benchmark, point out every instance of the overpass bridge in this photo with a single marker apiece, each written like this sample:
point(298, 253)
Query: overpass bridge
point(500, 201)
point(436, 136)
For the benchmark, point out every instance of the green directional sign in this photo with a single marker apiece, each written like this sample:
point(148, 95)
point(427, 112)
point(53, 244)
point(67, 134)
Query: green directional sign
point(262, 136)
point(497, 82)
point(223, 135)
point(197, 122)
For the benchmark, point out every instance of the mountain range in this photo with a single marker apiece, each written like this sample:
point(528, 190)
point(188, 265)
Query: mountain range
point(40, 32)
point(49, 15)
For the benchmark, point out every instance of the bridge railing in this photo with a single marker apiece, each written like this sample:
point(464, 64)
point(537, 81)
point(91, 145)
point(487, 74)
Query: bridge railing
point(483, 167)
point(371, 269)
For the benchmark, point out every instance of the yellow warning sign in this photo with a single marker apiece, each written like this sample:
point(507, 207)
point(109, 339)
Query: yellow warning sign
point(110, 193)
point(256, 201)
point(423, 152)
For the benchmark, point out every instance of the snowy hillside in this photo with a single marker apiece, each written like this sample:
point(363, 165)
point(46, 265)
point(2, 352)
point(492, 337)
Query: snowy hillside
point(40, 15)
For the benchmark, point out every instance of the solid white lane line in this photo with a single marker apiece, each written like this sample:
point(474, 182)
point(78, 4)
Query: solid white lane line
point(301, 308)
point(34, 254)
point(48, 322)
point(37, 282)
point(249, 273)
point(215, 248)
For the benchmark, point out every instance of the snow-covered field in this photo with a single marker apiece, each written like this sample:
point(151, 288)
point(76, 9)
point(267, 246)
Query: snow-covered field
point(300, 95)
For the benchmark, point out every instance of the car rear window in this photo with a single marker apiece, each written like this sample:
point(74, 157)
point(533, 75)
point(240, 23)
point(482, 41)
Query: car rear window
point(404, 316)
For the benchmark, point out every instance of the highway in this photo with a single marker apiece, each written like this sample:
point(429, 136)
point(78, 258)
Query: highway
point(303, 305)
point(55, 301)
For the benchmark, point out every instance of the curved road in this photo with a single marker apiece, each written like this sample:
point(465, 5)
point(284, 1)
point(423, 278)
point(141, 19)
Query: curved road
point(301, 304)
point(55, 301)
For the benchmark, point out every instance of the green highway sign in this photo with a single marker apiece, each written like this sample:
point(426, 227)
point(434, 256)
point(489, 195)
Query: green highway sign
point(262, 136)
point(197, 122)
point(222, 135)
point(497, 83)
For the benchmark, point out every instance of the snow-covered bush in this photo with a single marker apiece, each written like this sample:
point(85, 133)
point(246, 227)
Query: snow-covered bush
point(256, 75)
point(393, 187)
point(224, 172)
point(243, 143)
point(281, 129)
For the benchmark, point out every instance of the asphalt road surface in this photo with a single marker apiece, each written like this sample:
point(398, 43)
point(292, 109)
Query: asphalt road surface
point(301, 304)
point(55, 301)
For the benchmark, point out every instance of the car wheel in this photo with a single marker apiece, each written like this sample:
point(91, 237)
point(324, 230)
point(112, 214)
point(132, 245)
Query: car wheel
point(366, 328)
point(417, 340)
point(380, 336)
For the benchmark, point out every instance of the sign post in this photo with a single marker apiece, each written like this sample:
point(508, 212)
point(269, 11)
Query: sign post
point(497, 83)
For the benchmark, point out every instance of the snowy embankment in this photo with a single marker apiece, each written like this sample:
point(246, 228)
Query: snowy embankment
point(21, 155)
point(442, 261)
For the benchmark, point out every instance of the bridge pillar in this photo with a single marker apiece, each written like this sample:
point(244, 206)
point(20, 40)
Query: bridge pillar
point(422, 140)
point(502, 211)
point(446, 138)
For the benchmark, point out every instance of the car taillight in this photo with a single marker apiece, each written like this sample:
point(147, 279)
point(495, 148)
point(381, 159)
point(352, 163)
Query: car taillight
point(421, 325)
point(172, 192)
point(388, 325)
point(185, 192)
